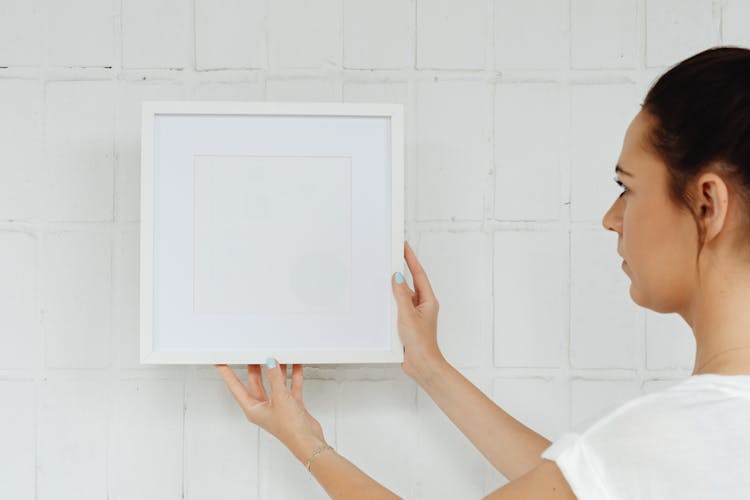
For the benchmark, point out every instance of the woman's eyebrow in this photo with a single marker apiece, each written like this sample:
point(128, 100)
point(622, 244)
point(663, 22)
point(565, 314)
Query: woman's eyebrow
point(618, 168)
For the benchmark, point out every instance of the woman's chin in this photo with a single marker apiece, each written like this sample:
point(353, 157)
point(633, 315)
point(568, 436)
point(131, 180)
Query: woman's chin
point(635, 296)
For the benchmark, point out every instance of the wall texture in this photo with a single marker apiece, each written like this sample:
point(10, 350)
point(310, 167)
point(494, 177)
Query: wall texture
point(515, 114)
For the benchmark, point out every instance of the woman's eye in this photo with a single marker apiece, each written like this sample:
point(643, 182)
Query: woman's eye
point(623, 186)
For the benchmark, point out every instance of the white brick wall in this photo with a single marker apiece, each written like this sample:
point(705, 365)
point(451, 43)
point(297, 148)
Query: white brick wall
point(515, 112)
point(604, 34)
point(81, 32)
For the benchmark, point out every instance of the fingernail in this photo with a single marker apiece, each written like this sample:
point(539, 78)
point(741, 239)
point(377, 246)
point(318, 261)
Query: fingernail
point(270, 362)
point(399, 278)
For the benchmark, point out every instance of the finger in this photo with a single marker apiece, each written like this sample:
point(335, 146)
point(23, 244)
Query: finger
point(421, 283)
point(297, 380)
point(403, 295)
point(255, 382)
point(283, 374)
point(238, 390)
point(276, 379)
point(412, 294)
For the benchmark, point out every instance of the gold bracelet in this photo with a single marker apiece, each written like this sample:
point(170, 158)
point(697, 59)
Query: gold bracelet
point(318, 450)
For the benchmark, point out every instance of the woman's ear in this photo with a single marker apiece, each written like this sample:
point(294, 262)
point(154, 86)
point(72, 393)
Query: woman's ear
point(712, 203)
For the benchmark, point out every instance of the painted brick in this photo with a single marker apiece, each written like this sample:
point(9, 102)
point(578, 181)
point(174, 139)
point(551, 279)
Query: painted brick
point(677, 29)
point(304, 34)
point(735, 20)
point(452, 35)
point(378, 34)
point(387, 410)
point(81, 33)
point(453, 149)
point(540, 403)
point(449, 465)
point(125, 297)
point(72, 439)
point(146, 440)
point(220, 444)
point(531, 34)
point(591, 400)
point(604, 34)
point(76, 290)
point(20, 154)
point(21, 30)
point(17, 433)
point(385, 92)
point(604, 320)
point(19, 300)
point(79, 152)
point(670, 343)
point(303, 89)
point(226, 91)
point(230, 34)
point(528, 126)
point(600, 115)
point(155, 33)
point(463, 291)
point(529, 322)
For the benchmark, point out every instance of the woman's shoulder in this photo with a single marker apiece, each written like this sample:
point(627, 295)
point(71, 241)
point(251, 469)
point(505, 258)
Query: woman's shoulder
point(667, 418)
point(652, 442)
point(684, 407)
point(738, 385)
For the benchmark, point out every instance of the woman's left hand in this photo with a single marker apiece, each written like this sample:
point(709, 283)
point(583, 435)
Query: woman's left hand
point(283, 414)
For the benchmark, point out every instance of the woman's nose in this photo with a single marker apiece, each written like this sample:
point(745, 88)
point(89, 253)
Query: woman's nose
point(612, 220)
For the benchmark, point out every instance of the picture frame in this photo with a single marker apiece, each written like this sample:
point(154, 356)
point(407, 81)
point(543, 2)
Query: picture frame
point(270, 229)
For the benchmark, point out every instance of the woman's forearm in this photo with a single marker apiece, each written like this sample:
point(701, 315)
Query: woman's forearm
point(511, 447)
point(339, 477)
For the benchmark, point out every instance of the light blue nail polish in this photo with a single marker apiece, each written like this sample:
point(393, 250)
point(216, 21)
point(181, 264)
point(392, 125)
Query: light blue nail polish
point(399, 278)
point(270, 362)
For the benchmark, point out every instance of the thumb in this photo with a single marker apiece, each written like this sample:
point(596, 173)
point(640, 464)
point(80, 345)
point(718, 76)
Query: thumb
point(402, 293)
point(276, 379)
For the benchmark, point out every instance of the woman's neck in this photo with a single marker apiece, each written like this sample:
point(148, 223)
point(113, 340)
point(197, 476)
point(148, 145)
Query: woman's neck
point(720, 319)
point(736, 364)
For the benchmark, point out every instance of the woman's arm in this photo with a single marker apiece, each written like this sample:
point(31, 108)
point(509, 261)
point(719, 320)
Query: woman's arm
point(338, 476)
point(282, 413)
point(511, 447)
point(545, 480)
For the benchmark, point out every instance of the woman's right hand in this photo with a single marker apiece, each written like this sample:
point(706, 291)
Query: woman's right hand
point(417, 321)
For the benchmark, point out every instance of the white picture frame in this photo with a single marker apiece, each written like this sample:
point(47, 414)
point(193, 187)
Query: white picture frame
point(247, 249)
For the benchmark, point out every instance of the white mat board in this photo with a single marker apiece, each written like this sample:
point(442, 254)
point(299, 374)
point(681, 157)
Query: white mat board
point(270, 229)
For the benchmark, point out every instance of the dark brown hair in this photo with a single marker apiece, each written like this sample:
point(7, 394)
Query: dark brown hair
point(701, 123)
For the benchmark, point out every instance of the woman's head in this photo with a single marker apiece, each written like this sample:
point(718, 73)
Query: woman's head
point(686, 207)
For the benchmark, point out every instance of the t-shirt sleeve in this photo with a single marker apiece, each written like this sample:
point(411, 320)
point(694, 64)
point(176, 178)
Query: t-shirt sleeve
point(574, 459)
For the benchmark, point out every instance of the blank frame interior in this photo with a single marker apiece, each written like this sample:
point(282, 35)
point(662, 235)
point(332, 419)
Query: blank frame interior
point(248, 205)
point(270, 233)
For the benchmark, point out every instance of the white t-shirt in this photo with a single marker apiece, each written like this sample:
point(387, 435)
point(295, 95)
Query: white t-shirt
point(689, 441)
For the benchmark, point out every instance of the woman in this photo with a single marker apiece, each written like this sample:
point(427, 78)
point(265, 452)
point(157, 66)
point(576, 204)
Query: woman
point(683, 227)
